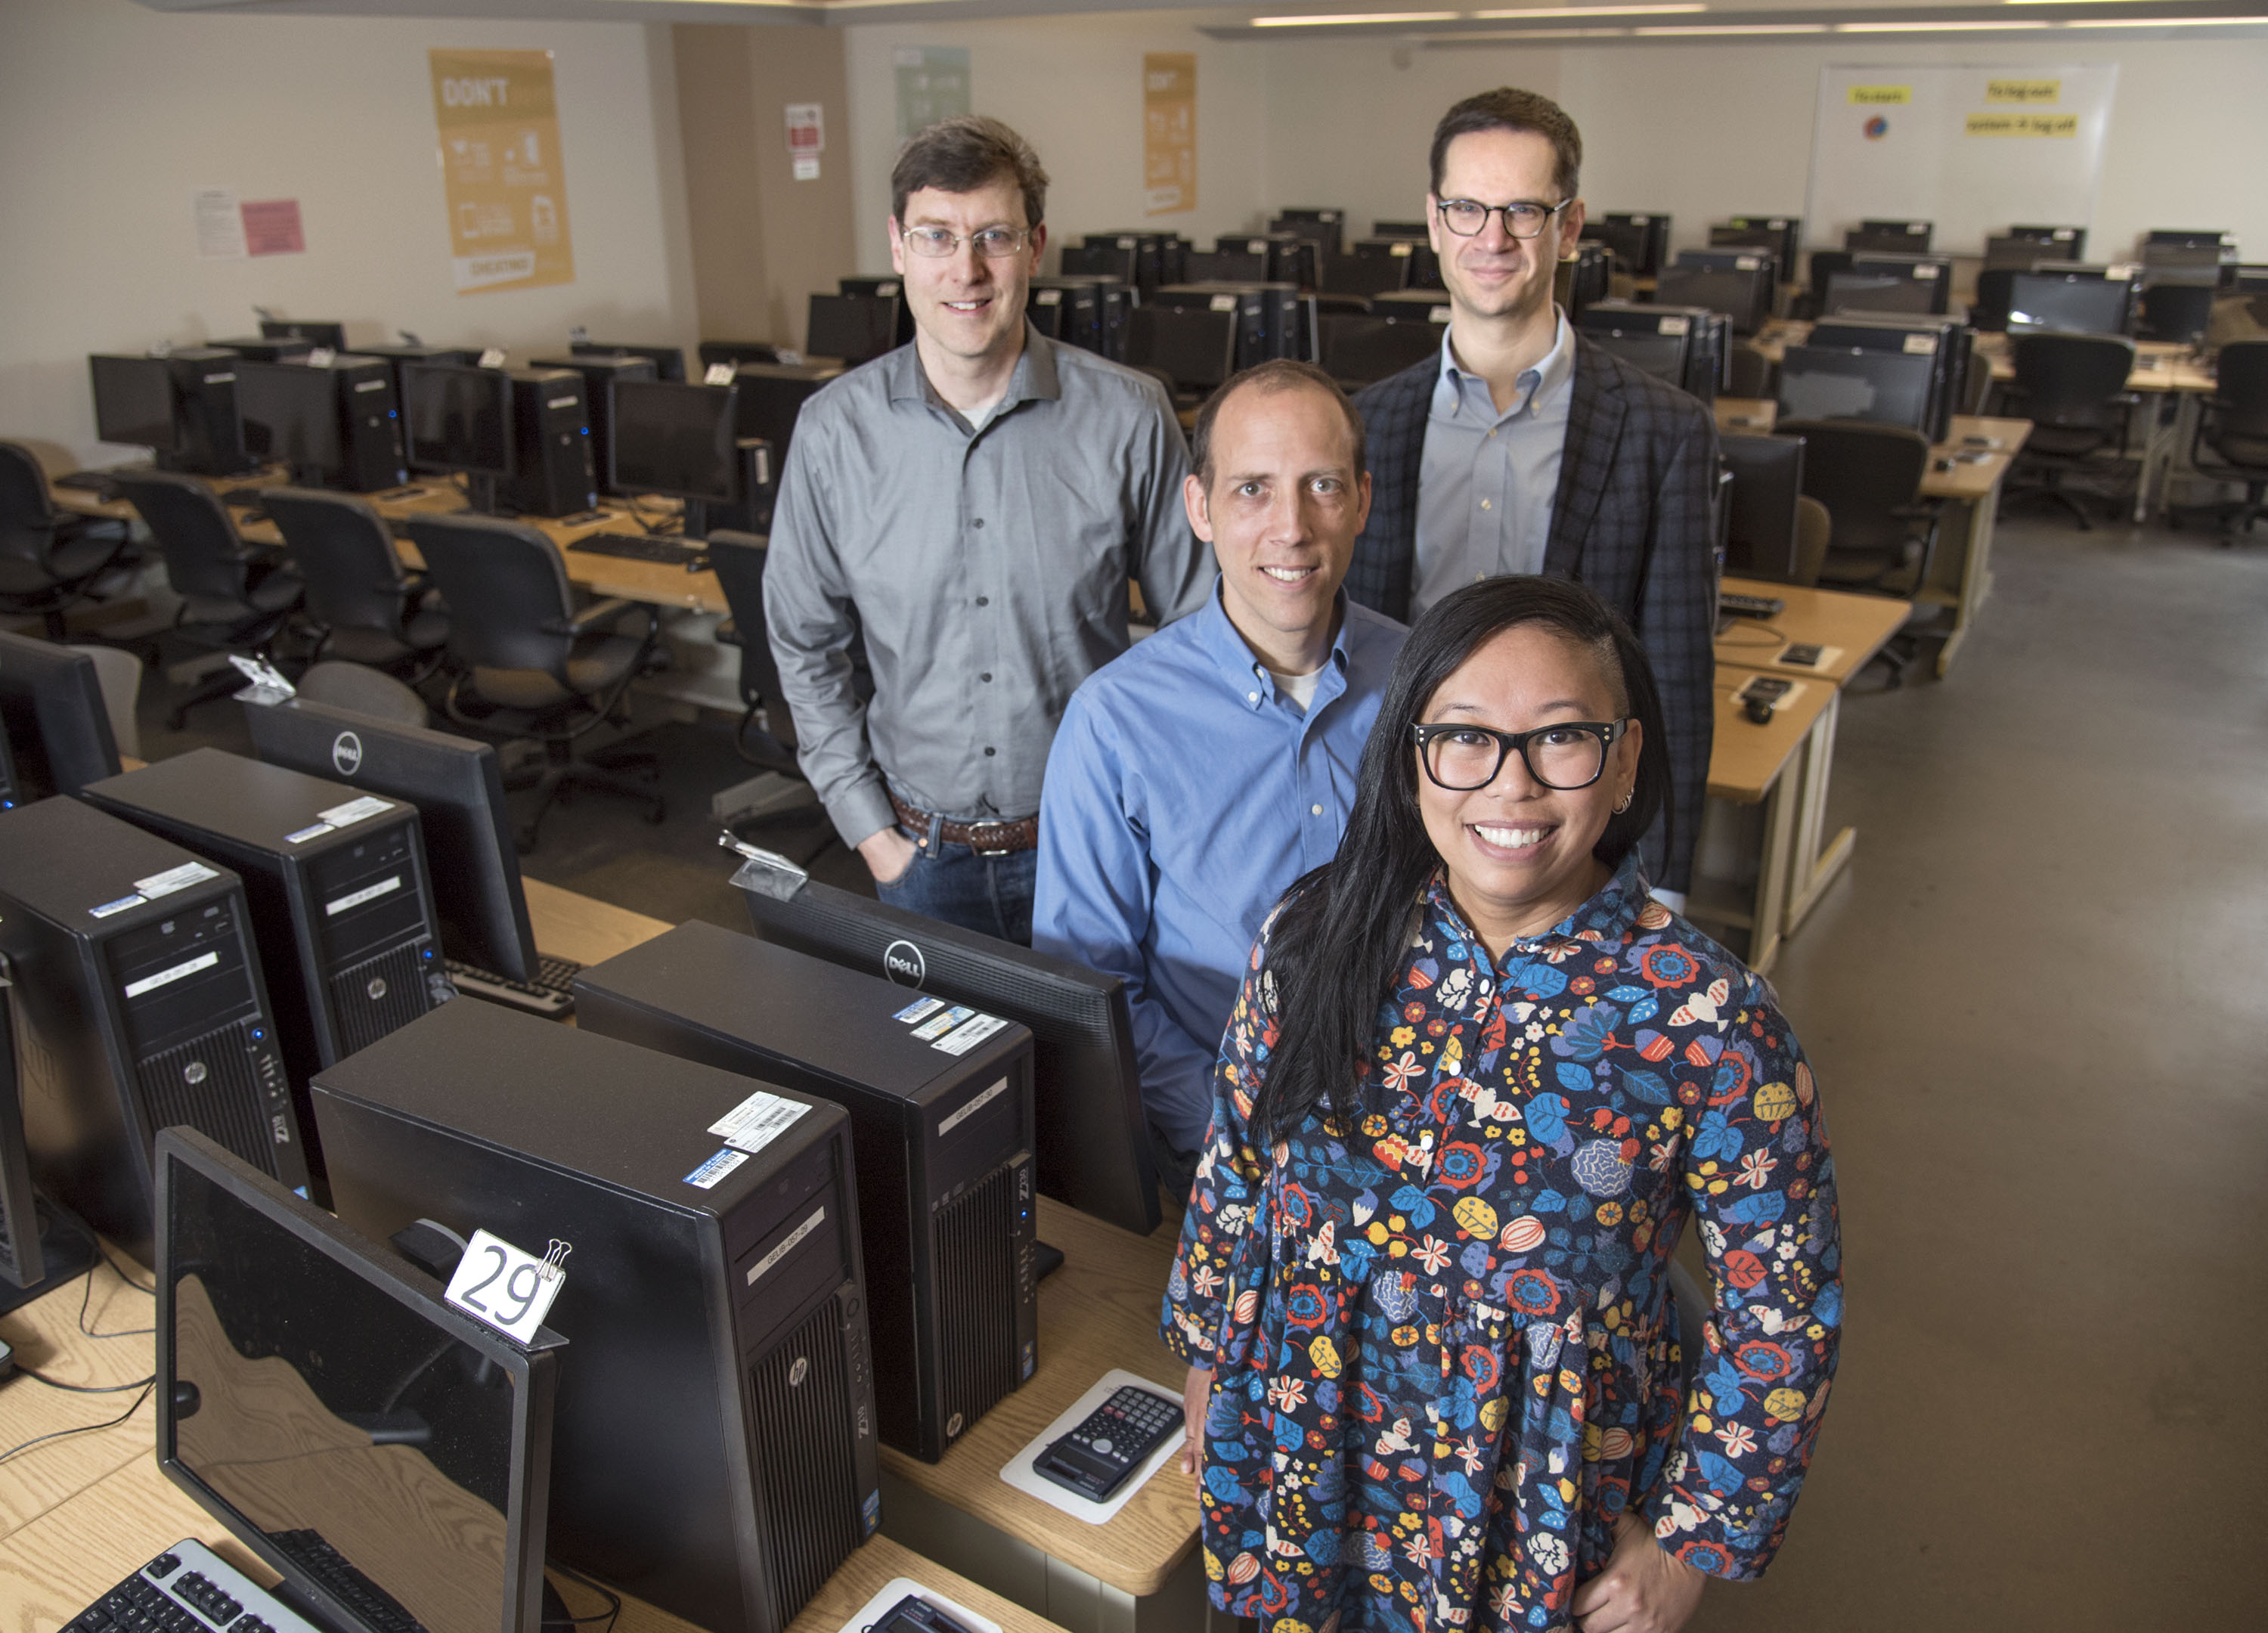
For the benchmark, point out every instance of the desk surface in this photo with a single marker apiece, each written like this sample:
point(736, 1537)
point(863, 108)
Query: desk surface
point(1751, 416)
point(2160, 366)
point(590, 931)
point(1858, 625)
point(1745, 758)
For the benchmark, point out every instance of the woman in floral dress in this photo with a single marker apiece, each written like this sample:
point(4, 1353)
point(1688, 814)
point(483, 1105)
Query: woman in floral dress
point(1476, 1081)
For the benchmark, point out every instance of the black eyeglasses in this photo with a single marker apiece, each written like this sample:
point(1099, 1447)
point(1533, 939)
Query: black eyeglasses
point(1569, 755)
point(1467, 217)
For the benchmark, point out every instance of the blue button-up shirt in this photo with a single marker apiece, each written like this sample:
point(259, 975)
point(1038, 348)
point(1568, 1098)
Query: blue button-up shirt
point(1487, 481)
point(1184, 794)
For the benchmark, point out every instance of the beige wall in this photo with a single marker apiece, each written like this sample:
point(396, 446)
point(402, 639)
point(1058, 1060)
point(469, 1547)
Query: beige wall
point(762, 241)
point(111, 116)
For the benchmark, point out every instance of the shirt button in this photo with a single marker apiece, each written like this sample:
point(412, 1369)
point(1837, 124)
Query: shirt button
point(1252, 697)
point(1484, 504)
point(985, 600)
point(979, 522)
point(1315, 811)
point(987, 675)
point(991, 751)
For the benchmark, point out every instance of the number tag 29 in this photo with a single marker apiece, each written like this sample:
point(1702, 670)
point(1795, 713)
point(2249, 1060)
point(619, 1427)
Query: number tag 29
point(509, 1290)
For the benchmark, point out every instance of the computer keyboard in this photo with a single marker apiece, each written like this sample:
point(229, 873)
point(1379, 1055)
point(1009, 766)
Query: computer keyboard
point(551, 994)
point(639, 547)
point(1750, 606)
point(335, 1575)
point(189, 1589)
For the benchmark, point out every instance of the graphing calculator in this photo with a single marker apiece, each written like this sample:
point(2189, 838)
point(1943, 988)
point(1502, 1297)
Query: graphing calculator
point(1094, 1459)
point(1801, 654)
point(1765, 689)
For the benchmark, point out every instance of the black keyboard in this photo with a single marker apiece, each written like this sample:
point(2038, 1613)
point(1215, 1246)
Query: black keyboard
point(191, 1589)
point(1750, 606)
point(551, 994)
point(639, 547)
point(333, 1572)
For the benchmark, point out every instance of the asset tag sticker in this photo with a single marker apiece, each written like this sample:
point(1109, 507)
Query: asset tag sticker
point(973, 1106)
point(936, 1026)
point(970, 1035)
point(795, 1240)
point(119, 906)
point(919, 1009)
point(316, 831)
point(355, 811)
point(757, 1120)
point(706, 1176)
point(509, 1288)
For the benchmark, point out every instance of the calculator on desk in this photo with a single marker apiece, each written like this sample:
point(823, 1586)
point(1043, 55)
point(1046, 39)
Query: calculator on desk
point(1096, 1458)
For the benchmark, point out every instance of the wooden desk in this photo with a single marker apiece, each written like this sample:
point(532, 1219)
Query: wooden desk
point(1961, 579)
point(2169, 380)
point(590, 931)
point(1749, 417)
point(1748, 771)
point(1858, 625)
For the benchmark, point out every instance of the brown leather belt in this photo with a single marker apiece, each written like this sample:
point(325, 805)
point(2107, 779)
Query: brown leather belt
point(987, 839)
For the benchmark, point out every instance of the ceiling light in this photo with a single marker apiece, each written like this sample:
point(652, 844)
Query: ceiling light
point(1498, 36)
point(1935, 28)
point(1588, 10)
point(2079, 2)
point(2166, 22)
point(1356, 17)
point(1738, 28)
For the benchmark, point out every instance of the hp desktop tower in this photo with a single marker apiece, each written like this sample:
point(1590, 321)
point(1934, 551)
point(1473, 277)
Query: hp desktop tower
point(341, 901)
point(551, 472)
point(137, 1004)
point(599, 377)
point(942, 1123)
point(714, 1447)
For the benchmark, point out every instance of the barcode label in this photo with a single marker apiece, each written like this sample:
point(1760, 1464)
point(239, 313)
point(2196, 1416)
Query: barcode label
point(355, 899)
point(757, 1120)
point(174, 879)
point(969, 1036)
point(167, 977)
point(355, 811)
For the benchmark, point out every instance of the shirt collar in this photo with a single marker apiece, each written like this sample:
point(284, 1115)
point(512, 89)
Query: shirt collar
point(1036, 375)
point(1238, 663)
point(1551, 372)
point(1609, 916)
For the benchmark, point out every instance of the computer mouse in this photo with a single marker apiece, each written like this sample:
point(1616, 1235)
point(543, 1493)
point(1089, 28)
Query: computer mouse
point(1757, 710)
point(1942, 465)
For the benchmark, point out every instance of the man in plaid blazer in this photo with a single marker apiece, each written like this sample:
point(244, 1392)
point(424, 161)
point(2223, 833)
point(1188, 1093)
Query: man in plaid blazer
point(1526, 448)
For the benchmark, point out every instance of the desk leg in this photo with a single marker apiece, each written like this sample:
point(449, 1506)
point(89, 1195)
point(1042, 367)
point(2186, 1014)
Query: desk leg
point(1975, 575)
point(1774, 870)
point(1812, 867)
point(2160, 435)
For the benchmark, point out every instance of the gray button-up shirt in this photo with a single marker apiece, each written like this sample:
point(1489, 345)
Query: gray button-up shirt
point(988, 569)
point(1487, 481)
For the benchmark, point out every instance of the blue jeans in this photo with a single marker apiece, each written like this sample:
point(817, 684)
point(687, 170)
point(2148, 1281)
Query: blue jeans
point(991, 896)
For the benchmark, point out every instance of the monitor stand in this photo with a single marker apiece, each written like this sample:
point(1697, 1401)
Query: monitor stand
point(66, 1250)
point(1047, 1259)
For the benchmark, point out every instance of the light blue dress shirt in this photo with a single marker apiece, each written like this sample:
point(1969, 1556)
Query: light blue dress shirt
point(1486, 482)
point(1184, 794)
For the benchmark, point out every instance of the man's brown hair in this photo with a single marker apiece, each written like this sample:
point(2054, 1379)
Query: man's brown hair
point(963, 154)
point(1506, 108)
point(1279, 374)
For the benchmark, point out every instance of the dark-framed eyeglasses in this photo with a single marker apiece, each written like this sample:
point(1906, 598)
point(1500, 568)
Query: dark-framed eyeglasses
point(992, 243)
point(1569, 754)
point(1467, 217)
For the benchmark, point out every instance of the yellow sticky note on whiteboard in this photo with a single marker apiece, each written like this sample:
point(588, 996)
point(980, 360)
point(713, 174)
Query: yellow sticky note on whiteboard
point(2032, 92)
point(2023, 125)
point(1881, 96)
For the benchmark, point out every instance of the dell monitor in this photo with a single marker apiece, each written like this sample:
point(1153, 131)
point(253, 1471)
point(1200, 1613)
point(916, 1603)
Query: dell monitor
point(1647, 349)
point(133, 402)
point(458, 419)
point(668, 362)
point(1866, 292)
point(1359, 350)
point(1196, 346)
point(58, 727)
point(1743, 294)
point(676, 440)
point(2071, 303)
point(856, 328)
point(383, 1452)
point(1857, 383)
point(2064, 243)
point(1761, 529)
point(457, 785)
point(331, 336)
point(1904, 238)
point(1093, 1149)
point(2187, 238)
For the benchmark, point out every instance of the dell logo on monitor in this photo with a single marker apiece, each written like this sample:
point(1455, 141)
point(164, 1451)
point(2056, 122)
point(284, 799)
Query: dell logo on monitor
point(902, 962)
point(346, 753)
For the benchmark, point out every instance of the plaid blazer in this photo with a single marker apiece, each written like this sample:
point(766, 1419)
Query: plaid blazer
point(1634, 519)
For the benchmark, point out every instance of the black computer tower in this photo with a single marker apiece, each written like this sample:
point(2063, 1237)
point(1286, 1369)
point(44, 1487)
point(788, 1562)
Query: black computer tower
point(1290, 257)
point(713, 1447)
point(552, 473)
point(1424, 268)
point(1272, 320)
point(369, 423)
point(336, 880)
point(1069, 310)
point(268, 348)
point(137, 1003)
point(599, 377)
point(444, 356)
point(211, 430)
point(882, 286)
point(1709, 336)
point(942, 1127)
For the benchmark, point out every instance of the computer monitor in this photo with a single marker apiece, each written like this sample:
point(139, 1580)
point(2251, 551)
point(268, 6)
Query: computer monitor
point(2188, 238)
point(1094, 1138)
point(856, 328)
point(133, 402)
point(332, 336)
point(457, 785)
point(1872, 291)
point(676, 439)
point(599, 375)
point(1743, 295)
point(1855, 383)
point(58, 729)
point(2070, 242)
point(1225, 266)
point(290, 418)
point(736, 352)
point(1326, 227)
point(2071, 303)
point(1897, 237)
point(385, 1452)
point(1662, 356)
point(1195, 345)
point(194, 428)
point(1363, 275)
point(772, 394)
point(457, 419)
point(668, 362)
point(1639, 239)
point(1767, 481)
point(1360, 350)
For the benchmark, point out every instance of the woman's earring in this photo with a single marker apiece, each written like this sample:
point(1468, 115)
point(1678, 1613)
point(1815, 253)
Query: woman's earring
point(1626, 802)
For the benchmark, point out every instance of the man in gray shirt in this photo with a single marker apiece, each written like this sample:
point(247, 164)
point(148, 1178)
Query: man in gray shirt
point(976, 504)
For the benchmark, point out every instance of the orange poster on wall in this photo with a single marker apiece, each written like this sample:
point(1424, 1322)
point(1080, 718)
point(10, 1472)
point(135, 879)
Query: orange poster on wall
point(1169, 131)
point(501, 164)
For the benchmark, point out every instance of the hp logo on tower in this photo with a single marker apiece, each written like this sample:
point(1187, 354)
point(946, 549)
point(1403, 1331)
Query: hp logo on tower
point(346, 753)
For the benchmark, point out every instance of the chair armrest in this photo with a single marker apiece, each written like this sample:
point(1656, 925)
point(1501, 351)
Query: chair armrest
point(599, 613)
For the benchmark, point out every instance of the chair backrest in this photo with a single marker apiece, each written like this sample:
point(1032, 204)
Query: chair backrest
point(119, 673)
point(366, 690)
point(2070, 377)
point(506, 586)
point(738, 559)
point(2236, 421)
point(1862, 472)
point(27, 518)
point(341, 548)
point(204, 556)
point(1815, 531)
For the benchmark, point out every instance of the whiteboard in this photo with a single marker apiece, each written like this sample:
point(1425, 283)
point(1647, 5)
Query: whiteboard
point(1974, 149)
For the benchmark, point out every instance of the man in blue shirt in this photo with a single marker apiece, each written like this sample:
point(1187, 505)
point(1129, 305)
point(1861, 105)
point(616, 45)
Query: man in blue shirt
point(1196, 776)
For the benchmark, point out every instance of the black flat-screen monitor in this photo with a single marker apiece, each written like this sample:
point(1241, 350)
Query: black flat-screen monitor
point(2071, 303)
point(1871, 291)
point(1225, 266)
point(1744, 296)
point(58, 729)
point(1767, 480)
point(133, 402)
point(457, 785)
point(457, 419)
point(669, 361)
point(674, 438)
point(2067, 243)
point(772, 394)
point(1662, 356)
point(856, 328)
point(1854, 383)
point(1898, 237)
point(385, 1452)
point(1363, 274)
point(1783, 235)
point(1093, 1139)
point(330, 336)
point(1195, 345)
point(291, 415)
point(1359, 350)
point(2187, 238)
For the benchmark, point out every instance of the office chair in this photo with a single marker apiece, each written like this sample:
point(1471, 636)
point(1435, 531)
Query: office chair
point(1814, 530)
point(235, 598)
point(1882, 532)
point(2073, 388)
point(2176, 312)
point(368, 610)
point(364, 690)
point(51, 560)
point(738, 559)
point(530, 664)
point(2233, 423)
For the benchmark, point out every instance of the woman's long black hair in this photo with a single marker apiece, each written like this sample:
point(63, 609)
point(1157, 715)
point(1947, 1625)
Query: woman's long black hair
point(1343, 934)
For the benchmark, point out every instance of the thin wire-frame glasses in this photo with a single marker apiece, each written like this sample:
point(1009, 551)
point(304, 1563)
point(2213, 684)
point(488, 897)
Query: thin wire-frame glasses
point(992, 243)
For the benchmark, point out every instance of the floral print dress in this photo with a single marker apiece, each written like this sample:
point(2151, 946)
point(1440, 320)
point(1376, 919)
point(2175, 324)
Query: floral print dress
point(1445, 1356)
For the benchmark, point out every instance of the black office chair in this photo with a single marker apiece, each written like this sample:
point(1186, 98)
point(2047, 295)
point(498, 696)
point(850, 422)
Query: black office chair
point(2073, 388)
point(368, 610)
point(1882, 532)
point(2176, 312)
point(531, 665)
point(1996, 289)
point(364, 690)
point(2233, 425)
point(235, 598)
point(51, 560)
